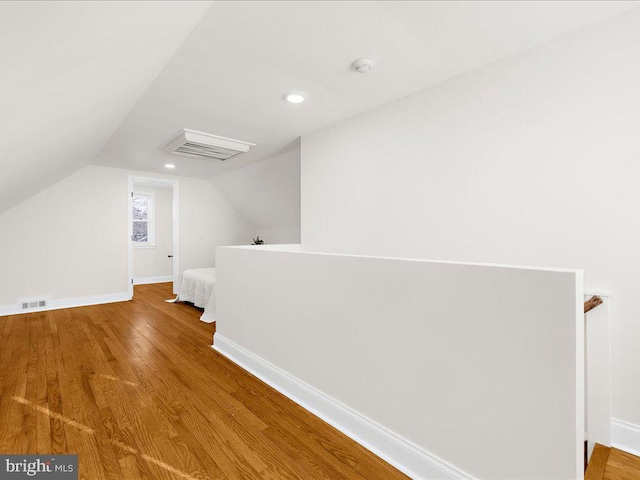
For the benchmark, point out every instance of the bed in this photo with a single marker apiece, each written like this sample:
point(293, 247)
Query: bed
point(197, 287)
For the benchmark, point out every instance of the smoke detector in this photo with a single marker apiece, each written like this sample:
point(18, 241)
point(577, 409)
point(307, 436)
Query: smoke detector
point(363, 65)
point(190, 143)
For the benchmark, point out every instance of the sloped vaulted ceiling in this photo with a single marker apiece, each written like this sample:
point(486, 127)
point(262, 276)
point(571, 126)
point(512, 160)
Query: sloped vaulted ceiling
point(229, 76)
point(109, 82)
point(69, 74)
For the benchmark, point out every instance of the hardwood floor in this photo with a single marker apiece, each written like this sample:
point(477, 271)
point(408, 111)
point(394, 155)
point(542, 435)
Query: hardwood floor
point(134, 389)
point(612, 464)
point(622, 466)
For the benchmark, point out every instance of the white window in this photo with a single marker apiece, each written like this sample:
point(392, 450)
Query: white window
point(143, 228)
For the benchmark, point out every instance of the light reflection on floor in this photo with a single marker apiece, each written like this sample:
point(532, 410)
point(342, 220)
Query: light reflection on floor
point(83, 428)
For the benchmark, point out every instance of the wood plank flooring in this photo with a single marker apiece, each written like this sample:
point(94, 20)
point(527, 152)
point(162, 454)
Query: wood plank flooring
point(612, 464)
point(134, 389)
point(622, 466)
point(597, 463)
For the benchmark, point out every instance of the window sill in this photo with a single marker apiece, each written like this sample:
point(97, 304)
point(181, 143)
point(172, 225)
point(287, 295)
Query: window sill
point(144, 245)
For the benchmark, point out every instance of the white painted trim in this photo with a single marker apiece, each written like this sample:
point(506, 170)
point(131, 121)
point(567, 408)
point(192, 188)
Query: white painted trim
point(176, 238)
point(144, 246)
point(603, 340)
point(296, 248)
point(147, 280)
point(591, 293)
point(581, 361)
point(399, 452)
point(625, 436)
point(69, 303)
point(154, 182)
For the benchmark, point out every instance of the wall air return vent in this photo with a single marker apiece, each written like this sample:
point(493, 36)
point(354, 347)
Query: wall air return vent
point(204, 145)
point(29, 304)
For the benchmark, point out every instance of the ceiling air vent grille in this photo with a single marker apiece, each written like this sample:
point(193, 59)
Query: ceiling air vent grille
point(204, 145)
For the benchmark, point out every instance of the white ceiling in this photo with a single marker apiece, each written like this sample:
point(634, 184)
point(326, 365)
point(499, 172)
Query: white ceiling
point(229, 76)
point(70, 72)
point(77, 78)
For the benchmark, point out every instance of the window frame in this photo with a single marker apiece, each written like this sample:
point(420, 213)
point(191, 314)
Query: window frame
point(151, 220)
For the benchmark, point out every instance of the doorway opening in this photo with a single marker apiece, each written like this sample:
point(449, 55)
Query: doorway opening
point(153, 254)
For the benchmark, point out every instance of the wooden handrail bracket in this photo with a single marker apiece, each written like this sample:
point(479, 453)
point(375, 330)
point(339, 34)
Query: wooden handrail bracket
point(592, 303)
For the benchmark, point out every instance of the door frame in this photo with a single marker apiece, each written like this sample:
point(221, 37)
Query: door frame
point(153, 182)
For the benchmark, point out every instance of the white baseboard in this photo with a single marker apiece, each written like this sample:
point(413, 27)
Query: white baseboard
point(625, 436)
point(147, 280)
point(399, 452)
point(68, 303)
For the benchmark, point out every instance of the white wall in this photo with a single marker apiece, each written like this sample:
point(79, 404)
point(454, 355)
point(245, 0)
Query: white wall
point(70, 240)
point(154, 261)
point(273, 236)
point(533, 160)
point(268, 194)
point(460, 360)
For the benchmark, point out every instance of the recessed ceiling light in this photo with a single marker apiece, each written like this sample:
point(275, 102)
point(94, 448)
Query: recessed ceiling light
point(295, 97)
point(169, 165)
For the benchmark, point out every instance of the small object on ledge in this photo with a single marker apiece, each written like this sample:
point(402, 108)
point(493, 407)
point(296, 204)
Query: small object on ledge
point(592, 303)
point(258, 241)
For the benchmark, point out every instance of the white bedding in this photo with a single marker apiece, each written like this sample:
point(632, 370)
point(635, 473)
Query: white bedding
point(197, 287)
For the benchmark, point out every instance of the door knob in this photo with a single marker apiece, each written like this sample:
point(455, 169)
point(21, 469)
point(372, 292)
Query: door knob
point(170, 256)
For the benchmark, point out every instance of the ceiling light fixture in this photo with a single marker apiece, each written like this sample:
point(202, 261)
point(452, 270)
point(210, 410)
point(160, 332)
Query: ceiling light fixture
point(169, 165)
point(295, 97)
